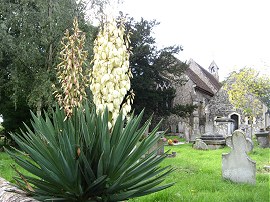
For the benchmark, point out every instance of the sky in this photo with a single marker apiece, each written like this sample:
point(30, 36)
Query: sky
point(233, 33)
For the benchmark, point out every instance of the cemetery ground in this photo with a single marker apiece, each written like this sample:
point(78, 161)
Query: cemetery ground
point(197, 177)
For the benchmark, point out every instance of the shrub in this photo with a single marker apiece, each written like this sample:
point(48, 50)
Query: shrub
point(80, 159)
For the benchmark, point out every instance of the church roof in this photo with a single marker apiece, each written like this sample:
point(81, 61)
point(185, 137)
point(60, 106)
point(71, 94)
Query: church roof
point(211, 78)
point(199, 83)
point(203, 79)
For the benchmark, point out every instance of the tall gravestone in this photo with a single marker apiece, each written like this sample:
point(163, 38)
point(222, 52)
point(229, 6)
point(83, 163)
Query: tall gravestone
point(196, 130)
point(187, 132)
point(181, 127)
point(236, 165)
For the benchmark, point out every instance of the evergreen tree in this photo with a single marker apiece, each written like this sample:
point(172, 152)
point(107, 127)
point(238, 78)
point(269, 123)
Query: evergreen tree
point(153, 69)
point(30, 36)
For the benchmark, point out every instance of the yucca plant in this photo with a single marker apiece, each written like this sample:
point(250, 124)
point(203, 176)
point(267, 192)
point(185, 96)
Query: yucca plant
point(91, 155)
point(81, 159)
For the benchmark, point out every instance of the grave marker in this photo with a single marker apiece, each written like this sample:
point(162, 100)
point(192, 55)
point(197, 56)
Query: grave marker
point(236, 165)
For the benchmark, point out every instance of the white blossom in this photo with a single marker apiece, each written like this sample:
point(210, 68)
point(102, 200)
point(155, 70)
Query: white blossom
point(110, 78)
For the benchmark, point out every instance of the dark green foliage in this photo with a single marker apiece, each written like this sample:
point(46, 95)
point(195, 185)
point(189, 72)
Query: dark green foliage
point(157, 101)
point(30, 35)
point(153, 70)
point(183, 110)
point(80, 159)
point(14, 118)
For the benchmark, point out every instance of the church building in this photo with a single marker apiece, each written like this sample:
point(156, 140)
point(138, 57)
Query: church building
point(214, 113)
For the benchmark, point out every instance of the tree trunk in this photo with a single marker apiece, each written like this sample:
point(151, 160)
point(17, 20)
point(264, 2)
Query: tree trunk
point(10, 193)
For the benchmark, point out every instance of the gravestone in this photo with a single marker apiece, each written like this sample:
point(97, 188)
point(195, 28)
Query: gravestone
point(213, 141)
point(196, 127)
point(224, 126)
point(263, 138)
point(200, 145)
point(181, 127)
point(159, 146)
point(187, 133)
point(236, 165)
point(173, 128)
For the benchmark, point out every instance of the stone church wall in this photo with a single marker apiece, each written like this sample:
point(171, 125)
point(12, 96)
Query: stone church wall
point(220, 106)
point(184, 93)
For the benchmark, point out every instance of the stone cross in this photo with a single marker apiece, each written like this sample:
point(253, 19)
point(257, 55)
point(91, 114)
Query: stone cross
point(236, 165)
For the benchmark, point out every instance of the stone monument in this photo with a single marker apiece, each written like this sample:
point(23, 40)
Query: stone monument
point(263, 138)
point(159, 146)
point(236, 165)
point(200, 145)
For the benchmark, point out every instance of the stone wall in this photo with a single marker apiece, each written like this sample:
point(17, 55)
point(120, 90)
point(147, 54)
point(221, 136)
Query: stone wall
point(220, 105)
point(10, 193)
point(184, 93)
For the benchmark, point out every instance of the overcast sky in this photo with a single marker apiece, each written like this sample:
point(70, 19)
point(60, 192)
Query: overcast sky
point(233, 33)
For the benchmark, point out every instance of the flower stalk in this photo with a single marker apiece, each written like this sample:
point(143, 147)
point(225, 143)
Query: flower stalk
point(110, 76)
point(70, 72)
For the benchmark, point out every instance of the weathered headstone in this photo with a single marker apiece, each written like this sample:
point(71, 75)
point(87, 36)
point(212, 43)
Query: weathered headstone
point(263, 138)
point(224, 126)
point(196, 128)
point(213, 141)
point(200, 145)
point(236, 165)
point(187, 133)
point(173, 128)
point(181, 127)
point(159, 144)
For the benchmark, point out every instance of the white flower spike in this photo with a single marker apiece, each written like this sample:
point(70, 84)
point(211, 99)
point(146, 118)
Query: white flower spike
point(110, 78)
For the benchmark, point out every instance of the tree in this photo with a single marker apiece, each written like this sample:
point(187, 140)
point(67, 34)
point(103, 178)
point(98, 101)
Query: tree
point(246, 90)
point(30, 37)
point(79, 155)
point(152, 69)
point(183, 111)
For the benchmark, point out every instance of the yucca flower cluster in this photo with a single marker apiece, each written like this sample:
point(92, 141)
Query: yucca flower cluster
point(110, 77)
point(70, 72)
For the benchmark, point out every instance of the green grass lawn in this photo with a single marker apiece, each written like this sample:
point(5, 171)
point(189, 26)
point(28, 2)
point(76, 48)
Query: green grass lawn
point(5, 167)
point(197, 177)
